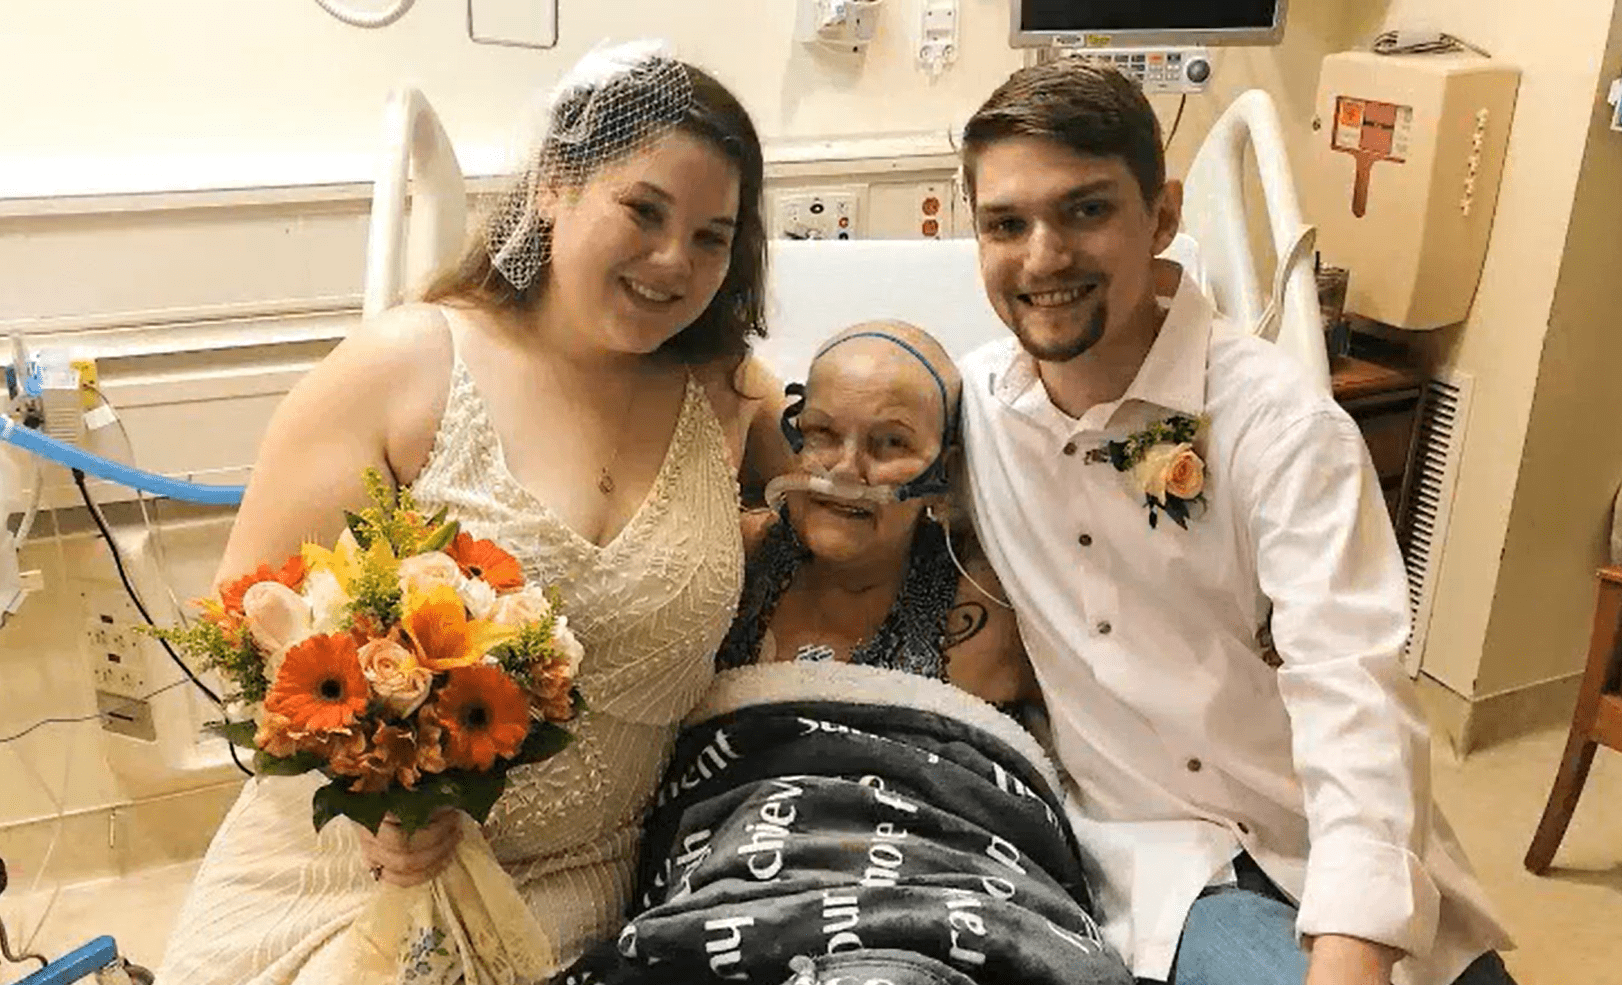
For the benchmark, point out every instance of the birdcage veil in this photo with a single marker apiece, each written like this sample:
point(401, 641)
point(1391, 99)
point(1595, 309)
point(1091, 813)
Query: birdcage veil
point(615, 101)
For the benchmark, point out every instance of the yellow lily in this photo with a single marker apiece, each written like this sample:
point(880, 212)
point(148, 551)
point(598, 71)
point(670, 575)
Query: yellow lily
point(346, 560)
point(443, 635)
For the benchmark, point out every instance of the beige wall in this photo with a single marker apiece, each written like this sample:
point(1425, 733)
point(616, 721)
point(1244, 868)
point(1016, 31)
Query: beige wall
point(1558, 45)
point(1572, 462)
point(204, 91)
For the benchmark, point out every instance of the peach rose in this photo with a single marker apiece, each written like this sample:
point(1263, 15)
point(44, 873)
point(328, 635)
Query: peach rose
point(1185, 476)
point(423, 573)
point(278, 619)
point(520, 608)
point(1167, 468)
point(396, 677)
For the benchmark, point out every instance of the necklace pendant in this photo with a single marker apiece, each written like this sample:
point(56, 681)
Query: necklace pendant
point(605, 483)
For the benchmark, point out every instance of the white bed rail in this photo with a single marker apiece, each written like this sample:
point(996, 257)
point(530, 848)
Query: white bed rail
point(405, 247)
point(1214, 215)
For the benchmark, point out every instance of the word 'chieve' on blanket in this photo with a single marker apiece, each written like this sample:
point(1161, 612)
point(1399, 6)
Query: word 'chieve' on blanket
point(772, 833)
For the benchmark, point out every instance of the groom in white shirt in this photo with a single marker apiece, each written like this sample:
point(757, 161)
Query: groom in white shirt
point(1160, 492)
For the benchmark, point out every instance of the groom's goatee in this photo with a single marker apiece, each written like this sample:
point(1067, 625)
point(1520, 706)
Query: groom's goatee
point(1065, 350)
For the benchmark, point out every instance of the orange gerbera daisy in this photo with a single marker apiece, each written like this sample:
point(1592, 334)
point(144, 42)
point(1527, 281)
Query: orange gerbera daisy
point(484, 714)
point(483, 559)
point(444, 636)
point(291, 574)
point(320, 687)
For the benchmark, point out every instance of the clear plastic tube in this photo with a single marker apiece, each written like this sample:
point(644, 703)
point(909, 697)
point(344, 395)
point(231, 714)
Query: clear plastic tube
point(822, 485)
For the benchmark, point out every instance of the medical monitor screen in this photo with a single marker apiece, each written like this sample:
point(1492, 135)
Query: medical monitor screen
point(1167, 21)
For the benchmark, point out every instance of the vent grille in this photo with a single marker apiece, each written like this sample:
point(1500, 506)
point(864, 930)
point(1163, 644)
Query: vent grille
point(1430, 500)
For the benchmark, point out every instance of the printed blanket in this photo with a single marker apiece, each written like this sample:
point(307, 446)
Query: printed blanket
point(817, 810)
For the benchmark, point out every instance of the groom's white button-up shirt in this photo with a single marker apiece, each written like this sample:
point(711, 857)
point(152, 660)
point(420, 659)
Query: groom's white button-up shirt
point(1186, 739)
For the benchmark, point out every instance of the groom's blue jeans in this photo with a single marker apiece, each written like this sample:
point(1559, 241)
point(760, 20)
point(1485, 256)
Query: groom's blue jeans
point(1245, 935)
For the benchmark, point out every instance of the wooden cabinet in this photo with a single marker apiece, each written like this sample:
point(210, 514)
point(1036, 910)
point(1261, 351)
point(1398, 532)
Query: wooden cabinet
point(1384, 399)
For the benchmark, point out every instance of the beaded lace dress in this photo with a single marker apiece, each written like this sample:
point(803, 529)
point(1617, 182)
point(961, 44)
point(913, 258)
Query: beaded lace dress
point(651, 607)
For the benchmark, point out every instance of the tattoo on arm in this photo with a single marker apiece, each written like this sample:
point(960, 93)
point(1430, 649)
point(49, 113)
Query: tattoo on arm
point(963, 623)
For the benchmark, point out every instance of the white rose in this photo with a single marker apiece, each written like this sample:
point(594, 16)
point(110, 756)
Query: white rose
point(478, 596)
point(328, 602)
point(568, 645)
point(520, 608)
point(278, 618)
point(423, 573)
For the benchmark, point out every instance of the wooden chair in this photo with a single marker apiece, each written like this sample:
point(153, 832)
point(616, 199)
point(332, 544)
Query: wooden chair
point(1597, 721)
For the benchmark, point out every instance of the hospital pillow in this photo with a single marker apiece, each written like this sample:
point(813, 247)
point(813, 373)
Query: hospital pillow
point(818, 287)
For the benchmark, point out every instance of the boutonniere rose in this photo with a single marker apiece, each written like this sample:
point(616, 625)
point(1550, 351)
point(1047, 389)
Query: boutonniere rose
point(1164, 466)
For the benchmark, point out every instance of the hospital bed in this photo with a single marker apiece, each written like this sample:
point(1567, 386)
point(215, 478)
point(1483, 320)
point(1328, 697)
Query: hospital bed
point(815, 289)
point(819, 287)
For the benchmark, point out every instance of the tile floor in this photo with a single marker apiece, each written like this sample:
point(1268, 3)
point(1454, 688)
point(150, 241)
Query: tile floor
point(1568, 923)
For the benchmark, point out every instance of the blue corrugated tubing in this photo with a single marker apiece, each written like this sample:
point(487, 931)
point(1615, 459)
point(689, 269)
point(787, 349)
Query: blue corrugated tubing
point(74, 457)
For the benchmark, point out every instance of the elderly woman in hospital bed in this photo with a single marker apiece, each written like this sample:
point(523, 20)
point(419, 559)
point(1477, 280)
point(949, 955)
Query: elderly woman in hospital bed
point(850, 801)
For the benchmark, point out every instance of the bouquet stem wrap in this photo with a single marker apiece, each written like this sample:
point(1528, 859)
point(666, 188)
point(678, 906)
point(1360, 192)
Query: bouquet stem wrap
point(467, 925)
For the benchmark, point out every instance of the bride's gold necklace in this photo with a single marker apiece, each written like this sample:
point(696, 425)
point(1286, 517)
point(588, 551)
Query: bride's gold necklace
point(605, 478)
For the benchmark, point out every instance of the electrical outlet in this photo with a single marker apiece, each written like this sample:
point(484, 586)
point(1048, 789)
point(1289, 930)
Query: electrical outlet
point(832, 213)
point(935, 210)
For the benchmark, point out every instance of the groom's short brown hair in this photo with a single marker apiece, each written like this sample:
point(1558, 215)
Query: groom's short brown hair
point(1090, 109)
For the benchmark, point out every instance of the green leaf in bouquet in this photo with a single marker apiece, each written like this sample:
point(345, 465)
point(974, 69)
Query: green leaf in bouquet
point(480, 791)
point(415, 808)
point(360, 527)
point(577, 700)
point(442, 536)
point(297, 764)
point(475, 793)
point(237, 733)
point(544, 741)
point(335, 800)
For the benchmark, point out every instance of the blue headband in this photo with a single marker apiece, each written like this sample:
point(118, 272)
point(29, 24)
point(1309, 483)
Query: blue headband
point(932, 480)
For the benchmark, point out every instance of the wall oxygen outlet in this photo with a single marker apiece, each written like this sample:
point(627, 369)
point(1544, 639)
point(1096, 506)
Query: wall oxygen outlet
point(832, 213)
point(117, 653)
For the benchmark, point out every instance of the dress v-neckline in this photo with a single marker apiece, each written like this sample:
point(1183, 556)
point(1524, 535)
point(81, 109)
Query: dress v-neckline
point(643, 508)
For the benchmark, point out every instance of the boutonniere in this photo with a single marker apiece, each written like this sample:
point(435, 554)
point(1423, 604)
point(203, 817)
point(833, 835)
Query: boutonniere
point(1164, 466)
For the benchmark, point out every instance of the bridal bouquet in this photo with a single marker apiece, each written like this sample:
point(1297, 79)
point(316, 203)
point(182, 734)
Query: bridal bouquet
point(413, 666)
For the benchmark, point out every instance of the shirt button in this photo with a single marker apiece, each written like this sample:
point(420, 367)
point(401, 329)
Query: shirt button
point(1085, 540)
point(1069, 447)
point(1194, 765)
point(1104, 629)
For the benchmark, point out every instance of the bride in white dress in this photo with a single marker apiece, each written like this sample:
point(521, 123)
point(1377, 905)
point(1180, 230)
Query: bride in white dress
point(579, 391)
